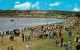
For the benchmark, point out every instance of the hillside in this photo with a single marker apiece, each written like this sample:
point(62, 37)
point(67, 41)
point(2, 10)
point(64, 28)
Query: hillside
point(37, 14)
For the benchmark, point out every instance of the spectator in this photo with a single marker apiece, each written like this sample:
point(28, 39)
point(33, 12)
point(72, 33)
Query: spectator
point(8, 48)
point(25, 37)
point(77, 47)
point(27, 47)
point(62, 41)
point(30, 47)
point(69, 44)
point(1, 41)
point(11, 47)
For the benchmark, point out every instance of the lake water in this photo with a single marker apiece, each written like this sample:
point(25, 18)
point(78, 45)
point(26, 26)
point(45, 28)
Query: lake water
point(7, 24)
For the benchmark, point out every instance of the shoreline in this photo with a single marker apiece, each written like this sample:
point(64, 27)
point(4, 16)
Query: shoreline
point(32, 26)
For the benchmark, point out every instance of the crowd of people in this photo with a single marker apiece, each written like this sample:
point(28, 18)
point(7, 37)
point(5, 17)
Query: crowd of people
point(10, 48)
point(28, 47)
point(53, 31)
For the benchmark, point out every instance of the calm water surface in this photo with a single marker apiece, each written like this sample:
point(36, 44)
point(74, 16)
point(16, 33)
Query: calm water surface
point(7, 24)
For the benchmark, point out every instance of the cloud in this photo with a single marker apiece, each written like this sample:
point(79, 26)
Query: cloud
point(76, 9)
point(50, 8)
point(68, 6)
point(23, 6)
point(45, 3)
point(55, 4)
point(35, 5)
point(17, 2)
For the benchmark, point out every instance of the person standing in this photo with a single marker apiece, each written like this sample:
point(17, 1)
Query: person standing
point(23, 36)
point(66, 48)
point(70, 44)
point(27, 28)
point(48, 34)
point(0, 33)
point(27, 37)
point(68, 33)
point(62, 41)
point(11, 47)
point(76, 38)
point(77, 32)
point(60, 32)
point(27, 47)
point(34, 36)
point(56, 41)
point(3, 32)
point(8, 48)
point(30, 47)
point(41, 36)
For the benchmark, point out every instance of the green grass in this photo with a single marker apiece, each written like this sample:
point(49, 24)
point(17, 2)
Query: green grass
point(37, 44)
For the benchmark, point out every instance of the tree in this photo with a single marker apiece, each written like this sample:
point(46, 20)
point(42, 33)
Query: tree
point(78, 15)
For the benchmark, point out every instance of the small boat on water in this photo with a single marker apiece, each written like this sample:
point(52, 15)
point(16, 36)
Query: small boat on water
point(12, 20)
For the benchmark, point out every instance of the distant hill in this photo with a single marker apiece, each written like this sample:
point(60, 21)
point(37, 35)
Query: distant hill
point(37, 14)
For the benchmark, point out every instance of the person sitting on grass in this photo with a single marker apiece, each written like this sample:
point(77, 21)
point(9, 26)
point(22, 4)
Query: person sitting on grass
point(65, 44)
point(59, 45)
point(77, 46)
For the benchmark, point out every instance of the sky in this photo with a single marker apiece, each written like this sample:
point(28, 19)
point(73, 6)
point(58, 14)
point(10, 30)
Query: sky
point(61, 5)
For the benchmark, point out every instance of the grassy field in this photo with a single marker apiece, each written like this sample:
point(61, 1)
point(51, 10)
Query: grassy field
point(37, 44)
